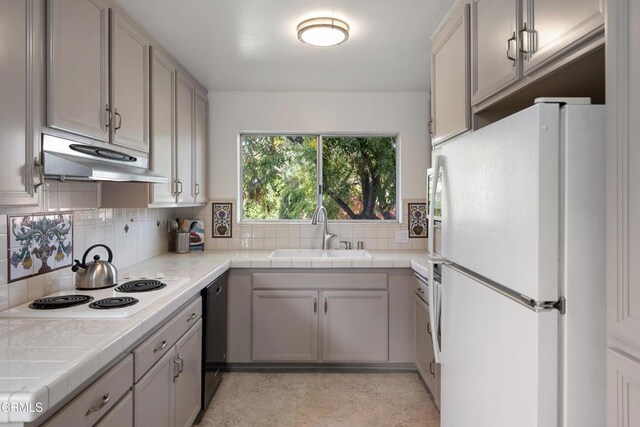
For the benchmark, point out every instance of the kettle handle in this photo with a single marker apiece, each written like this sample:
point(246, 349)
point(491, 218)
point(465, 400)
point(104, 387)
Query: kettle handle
point(84, 257)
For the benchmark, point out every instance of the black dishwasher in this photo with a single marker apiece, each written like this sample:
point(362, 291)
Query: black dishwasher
point(214, 338)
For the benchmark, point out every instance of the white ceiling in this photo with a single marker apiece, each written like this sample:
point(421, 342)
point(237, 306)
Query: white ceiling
point(252, 44)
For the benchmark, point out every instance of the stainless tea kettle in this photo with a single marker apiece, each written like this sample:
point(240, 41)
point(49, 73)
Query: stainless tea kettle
point(97, 274)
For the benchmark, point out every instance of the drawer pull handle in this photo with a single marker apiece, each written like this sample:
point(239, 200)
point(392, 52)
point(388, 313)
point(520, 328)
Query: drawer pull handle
point(190, 318)
point(181, 361)
point(429, 328)
point(218, 290)
point(432, 369)
point(161, 346)
point(105, 400)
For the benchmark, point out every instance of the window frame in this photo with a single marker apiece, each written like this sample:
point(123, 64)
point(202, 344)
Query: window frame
point(319, 175)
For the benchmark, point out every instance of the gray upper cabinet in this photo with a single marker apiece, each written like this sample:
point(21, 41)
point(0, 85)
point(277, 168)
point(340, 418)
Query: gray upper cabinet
point(78, 67)
point(129, 83)
point(450, 103)
point(200, 154)
point(20, 85)
point(185, 123)
point(552, 27)
point(495, 58)
point(163, 97)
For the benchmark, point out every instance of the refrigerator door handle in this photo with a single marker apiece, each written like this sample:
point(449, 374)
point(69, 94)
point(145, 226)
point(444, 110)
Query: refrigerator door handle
point(432, 205)
point(521, 299)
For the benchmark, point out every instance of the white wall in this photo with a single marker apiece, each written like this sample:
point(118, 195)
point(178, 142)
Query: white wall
point(405, 113)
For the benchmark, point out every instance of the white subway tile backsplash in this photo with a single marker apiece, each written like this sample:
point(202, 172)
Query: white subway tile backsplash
point(92, 225)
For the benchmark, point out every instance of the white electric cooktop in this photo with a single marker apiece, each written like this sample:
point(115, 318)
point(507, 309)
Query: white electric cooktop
point(111, 302)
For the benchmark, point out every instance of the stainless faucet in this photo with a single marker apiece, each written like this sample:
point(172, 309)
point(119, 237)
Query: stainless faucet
point(326, 235)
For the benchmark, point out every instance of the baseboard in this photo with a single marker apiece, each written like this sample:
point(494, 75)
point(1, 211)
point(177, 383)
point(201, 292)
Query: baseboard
point(324, 367)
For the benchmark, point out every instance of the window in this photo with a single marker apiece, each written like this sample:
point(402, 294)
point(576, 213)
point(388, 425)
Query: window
point(284, 177)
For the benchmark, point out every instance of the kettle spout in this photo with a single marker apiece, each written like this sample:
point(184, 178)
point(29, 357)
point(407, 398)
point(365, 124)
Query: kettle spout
point(77, 266)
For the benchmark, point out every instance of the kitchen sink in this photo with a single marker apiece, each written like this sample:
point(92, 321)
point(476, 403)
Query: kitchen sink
point(319, 253)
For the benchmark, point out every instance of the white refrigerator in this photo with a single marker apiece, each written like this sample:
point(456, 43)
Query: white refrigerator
point(520, 309)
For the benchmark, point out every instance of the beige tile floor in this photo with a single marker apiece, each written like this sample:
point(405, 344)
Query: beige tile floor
point(321, 399)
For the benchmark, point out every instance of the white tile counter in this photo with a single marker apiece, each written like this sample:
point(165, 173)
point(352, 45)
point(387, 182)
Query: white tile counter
point(43, 360)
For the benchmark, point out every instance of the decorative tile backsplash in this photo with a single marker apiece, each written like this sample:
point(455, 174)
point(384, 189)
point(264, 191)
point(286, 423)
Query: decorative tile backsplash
point(417, 220)
point(39, 244)
point(222, 220)
point(281, 235)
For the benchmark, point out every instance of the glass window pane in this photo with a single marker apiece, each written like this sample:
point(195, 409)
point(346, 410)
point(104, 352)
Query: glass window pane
point(359, 177)
point(279, 176)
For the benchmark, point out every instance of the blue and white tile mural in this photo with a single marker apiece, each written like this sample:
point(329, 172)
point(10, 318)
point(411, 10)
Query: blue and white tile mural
point(39, 244)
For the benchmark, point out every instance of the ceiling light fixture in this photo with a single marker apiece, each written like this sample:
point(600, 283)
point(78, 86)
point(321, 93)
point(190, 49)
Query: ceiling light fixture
point(323, 32)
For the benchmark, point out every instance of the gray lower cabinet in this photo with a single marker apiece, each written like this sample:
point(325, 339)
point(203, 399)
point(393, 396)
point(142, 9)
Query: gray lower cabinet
point(189, 379)
point(425, 359)
point(284, 326)
point(154, 394)
point(293, 325)
point(121, 415)
point(96, 402)
point(355, 326)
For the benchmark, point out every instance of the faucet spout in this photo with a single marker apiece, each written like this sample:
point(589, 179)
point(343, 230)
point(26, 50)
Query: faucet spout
point(326, 236)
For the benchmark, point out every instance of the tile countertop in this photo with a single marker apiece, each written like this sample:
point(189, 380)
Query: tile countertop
point(43, 360)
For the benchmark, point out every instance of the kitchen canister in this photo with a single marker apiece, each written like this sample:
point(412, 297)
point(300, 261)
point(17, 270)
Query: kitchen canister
point(182, 243)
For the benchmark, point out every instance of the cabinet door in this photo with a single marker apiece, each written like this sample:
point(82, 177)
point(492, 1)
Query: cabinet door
point(623, 390)
point(20, 118)
point(154, 394)
point(185, 106)
point(285, 326)
point(120, 415)
point(425, 361)
point(78, 67)
point(163, 120)
point(189, 380)
point(200, 157)
point(450, 75)
point(130, 83)
point(355, 326)
point(495, 59)
point(555, 26)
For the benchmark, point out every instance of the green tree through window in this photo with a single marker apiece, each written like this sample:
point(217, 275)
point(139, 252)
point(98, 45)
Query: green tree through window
point(280, 176)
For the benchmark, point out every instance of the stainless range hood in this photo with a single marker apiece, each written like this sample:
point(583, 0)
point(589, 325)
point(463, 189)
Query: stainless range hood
point(68, 160)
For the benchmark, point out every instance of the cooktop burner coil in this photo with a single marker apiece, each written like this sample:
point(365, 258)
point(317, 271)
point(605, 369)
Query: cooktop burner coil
point(114, 302)
point(143, 285)
point(60, 301)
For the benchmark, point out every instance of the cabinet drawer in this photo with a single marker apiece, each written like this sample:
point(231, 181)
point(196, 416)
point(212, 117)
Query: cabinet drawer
point(319, 280)
point(98, 399)
point(149, 352)
point(121, 415)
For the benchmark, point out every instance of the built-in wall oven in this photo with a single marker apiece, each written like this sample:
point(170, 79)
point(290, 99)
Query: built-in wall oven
point(425, 357)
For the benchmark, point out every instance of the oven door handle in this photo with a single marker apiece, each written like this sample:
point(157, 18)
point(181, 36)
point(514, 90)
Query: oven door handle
point(439, 160)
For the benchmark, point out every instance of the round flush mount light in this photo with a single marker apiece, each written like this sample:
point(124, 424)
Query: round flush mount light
point(323, 32)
